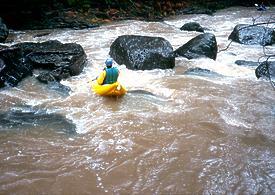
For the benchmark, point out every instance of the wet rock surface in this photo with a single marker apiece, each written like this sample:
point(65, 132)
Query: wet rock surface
point(60, 60)
point(201, 72)
point(192, 26)
point(13, 67)
point(246, 63)
point(143, 52)
point(204, 45)
point(24, 117)
point(253, 35)
point(4, 31)
point(266, 70)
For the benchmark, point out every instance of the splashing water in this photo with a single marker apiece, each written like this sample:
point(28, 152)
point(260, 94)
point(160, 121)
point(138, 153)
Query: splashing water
point(189, 135)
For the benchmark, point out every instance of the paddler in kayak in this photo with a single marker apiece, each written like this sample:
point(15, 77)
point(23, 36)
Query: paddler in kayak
point(109, 75)
point(106, 83)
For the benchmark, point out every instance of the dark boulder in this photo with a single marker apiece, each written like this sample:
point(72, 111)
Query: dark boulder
point(13, 67)
point(143, 52)
point(271, 70)
point(59, 60)
point(253, 35)
point(53, 54)
point(192, 26)
point(266, 70)
point(4, 31)
point(63, 60)
point(204, 45)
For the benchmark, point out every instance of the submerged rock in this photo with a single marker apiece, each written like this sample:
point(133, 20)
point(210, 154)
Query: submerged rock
point(253, 35)
point(204, 45)
point(60, 88)
point(143, 52)
point(141, 91)
point(201, 72)
point(25, 118)
point(192, 26)
point(246, 63)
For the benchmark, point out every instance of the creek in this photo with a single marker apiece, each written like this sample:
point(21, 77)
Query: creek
point(189, 134)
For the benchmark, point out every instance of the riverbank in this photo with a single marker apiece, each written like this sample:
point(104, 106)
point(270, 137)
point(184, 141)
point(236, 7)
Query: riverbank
point(89, 14)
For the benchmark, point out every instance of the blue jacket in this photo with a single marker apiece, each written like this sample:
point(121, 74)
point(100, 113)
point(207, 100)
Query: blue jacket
point(111, 75)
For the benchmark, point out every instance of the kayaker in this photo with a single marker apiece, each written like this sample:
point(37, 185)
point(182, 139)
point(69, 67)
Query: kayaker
point(109, 75)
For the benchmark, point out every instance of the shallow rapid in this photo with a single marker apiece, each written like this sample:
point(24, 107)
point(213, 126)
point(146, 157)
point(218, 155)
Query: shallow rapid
point(187, 135)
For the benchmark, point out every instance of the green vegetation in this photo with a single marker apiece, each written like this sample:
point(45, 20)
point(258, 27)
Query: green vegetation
point(27, 13)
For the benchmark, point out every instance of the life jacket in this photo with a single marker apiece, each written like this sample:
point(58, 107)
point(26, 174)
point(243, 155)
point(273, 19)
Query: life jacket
point(111, 75)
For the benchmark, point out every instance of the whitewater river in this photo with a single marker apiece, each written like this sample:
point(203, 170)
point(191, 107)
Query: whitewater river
point(195, 135)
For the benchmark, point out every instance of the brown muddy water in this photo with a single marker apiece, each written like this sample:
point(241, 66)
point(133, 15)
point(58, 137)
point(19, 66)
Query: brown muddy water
point(195, 135)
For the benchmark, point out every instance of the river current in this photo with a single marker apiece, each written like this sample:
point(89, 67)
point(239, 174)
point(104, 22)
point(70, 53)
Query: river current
point(194, 135)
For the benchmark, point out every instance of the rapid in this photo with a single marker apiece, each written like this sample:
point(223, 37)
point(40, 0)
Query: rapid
point(189, 135)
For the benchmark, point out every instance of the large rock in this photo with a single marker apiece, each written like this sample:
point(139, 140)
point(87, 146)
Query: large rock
point(4, 31)
point(13, 67)
point(204, 45)
point(59, 60)
point(143, 52)
point(253, 35)
point(64, 60)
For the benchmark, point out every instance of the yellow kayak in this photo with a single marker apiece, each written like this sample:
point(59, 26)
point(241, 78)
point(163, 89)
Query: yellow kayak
point(115, 89)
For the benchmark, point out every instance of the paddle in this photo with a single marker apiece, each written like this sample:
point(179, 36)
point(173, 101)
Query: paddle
point(89, 81)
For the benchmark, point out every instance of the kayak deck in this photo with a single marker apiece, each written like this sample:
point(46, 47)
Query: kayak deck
point(115, 89)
